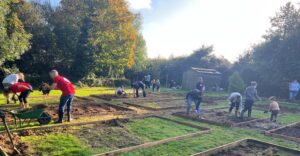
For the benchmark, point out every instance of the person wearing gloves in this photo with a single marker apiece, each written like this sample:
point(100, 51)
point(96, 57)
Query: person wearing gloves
point(235, 101)
point(196, 97)
point(24, 89)
point(251, 96)
point(8, 81)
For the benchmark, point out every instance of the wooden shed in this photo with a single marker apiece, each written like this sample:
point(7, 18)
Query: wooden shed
point(212, 78)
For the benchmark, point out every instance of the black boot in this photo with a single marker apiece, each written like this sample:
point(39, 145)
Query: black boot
point(60, 118)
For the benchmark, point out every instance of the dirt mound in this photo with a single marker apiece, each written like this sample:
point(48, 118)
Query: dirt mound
point(8, 148)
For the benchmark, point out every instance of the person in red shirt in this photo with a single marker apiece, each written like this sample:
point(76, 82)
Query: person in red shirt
point(68, 93)
point(24, 89)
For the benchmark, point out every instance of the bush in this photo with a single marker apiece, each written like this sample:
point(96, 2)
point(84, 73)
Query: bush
point(236, 83)
point(93, 81)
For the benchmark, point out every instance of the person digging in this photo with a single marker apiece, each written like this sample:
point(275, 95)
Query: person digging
point(234, 101)
point(194, 96)
point(9, 81)
point(24, 89)
point(68, 93)
point(251, 96)
point(137, 86)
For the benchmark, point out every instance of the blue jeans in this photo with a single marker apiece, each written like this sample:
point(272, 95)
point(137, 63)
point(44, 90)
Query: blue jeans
point(293, 95)
point(189, 105)
point(65, 100)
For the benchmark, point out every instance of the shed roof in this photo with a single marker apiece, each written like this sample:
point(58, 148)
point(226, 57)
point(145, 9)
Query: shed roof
point(206, 71)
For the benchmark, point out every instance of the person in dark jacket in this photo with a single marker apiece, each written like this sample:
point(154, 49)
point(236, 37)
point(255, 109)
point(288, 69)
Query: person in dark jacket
point(251, 96)
point(139, 85)
point(196, 97)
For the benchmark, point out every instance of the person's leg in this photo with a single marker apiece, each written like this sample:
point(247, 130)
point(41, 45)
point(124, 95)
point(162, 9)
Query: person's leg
point(144, 92)
point(188, 105)
point(291, 96)
point(25, 96)
point(272, 116)
point(231, 107)
point(137, 92)
point(275, 116)
point(245, 109)
point(237, 107)
point(6, 89)
point(69, 107)
point(61, 108)
point(22, 105)
point(250, 108)
point(198, 107)
point(295, 95)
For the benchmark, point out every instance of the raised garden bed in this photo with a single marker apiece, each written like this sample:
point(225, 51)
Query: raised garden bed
point(110, 137)
point(289, 132)
point(218, 117)
point(250, 147)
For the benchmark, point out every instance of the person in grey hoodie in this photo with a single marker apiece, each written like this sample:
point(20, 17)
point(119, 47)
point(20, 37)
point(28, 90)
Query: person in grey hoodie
point(251, 96)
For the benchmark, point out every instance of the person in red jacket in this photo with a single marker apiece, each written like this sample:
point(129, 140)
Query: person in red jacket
point(68, 93)
point(24, 89)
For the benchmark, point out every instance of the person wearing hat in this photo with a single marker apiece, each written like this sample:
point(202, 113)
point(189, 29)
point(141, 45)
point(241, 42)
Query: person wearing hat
point(68, 93)
point(274, 108)
point(251, 96)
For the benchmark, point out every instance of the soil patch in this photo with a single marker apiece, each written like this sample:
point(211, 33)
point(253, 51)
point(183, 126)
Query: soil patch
point(261, 125)
point(216, 116)
point(293, 131)
point(250, 148)
point(8, 148)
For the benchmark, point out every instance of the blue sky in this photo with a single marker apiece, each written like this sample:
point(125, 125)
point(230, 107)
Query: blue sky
point(177, 27)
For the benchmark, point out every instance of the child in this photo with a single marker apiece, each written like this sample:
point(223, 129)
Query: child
point(157, 85)
point(120, 91)
point(25, 89)
point(274, 108)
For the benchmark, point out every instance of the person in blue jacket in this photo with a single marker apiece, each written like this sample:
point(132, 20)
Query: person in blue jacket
point(137, 86)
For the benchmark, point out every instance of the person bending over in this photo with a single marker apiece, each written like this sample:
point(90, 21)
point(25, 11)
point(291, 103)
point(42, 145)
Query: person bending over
point(235, 101)
point(24, 89)
point(196, 97)
point(68, 93)
point(120, 91)
point(137, 86)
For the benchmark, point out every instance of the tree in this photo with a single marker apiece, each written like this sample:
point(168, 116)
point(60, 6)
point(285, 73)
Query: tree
point(14, 40)
point(236, 83)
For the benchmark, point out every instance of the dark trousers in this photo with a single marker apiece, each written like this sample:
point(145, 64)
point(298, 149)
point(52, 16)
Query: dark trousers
point(274, 115)
point(236, 105)
point(137, 91)
point(23, 96)
point(148, 84)
point(248, 107)
point(65, 100)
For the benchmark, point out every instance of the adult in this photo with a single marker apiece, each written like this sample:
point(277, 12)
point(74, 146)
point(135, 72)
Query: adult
point(235, 101)
point(24, 89)
point(153, 82)
point(157, 85)
point(196, 97)
point(294, 88)
point(137, 86)
point(251, 96)
point(148, 81)
point(9, 81)
point(68, 93)
point(200, 85)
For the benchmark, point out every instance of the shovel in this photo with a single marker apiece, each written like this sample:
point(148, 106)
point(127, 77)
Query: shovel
point(2, 116)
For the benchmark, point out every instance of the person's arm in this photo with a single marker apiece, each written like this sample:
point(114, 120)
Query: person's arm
point(256, 95)
point(53, 86)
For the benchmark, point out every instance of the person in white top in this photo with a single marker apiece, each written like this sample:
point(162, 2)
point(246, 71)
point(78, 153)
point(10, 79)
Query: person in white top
point(9, 81)
point(235, 101)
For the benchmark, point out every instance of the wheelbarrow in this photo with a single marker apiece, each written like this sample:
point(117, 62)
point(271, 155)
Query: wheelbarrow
point(35, 113)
